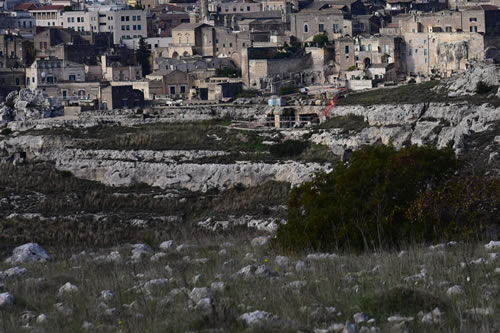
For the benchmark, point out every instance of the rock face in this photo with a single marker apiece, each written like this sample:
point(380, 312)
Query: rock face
point(464, 83)
point(437, 124)
point(29, 104)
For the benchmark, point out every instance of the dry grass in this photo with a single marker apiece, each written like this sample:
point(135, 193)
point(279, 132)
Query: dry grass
point(373, 283)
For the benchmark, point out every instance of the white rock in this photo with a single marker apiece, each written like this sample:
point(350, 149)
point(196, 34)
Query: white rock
point(67, 288)
point(492, 245)
point(455, 291)
point(433, 317)
point(157, 256)
point(246, 272)
point(302, 267)
point(204, 306)
point(168, 245)
point(349, 328)
point(6, 300)
point(41, 319)
point(13, 272)
point(107, 295)
point(282, 261)
point(113, 257)
point(218, 286)
point(480, 311)
point(360, 317)
point(148, 286)
point(497, 270)
point(257, 317)
point(185, 247)
point(29, 252)
point(321, 256)
point(398, 319)
point(260, 241)
point(198, 293)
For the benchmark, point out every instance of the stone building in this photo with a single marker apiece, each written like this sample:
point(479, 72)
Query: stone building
point(48, 72)
point(320, 17)
point(175, 83)
point(48, 16)
point(190, 39)
point(442, 53)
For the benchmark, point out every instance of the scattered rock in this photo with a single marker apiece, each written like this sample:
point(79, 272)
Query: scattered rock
point(455, 291)
point(168, 245)
point(360, 317)
point(30, 252)
point(260, 241)
point(41, 319)
point(282, 261)
point(480, 311)
point(199, 293)
point(257, 317)
point(6, 300)
point(67, 288)
point(492, 245)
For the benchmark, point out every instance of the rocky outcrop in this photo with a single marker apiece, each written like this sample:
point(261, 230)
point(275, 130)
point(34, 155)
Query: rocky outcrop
point(190, 176)
point(464, 83)
point(164, 169)
point(28, 104)
point(435, 123)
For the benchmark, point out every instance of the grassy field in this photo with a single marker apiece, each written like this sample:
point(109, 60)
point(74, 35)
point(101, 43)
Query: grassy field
point(412, 94)
point(300, 293)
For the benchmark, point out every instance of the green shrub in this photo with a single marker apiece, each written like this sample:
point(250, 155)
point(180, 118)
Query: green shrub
point(248, 93)
point(288, 148)
point(320, 40)
point(287, 89)
point(483, 88)
point(6, 131)
point(364, 205)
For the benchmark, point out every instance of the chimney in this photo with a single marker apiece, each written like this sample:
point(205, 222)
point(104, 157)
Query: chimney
point(204, 10)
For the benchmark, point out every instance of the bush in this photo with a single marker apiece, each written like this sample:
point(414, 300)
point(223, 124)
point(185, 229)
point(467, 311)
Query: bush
point(286, 90)
point(370, 202)
point(483, 88)
point(288, 148)
point(320, 40)
point(248, 93)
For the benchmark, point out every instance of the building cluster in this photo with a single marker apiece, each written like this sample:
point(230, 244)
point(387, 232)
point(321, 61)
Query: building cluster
point(87, 53)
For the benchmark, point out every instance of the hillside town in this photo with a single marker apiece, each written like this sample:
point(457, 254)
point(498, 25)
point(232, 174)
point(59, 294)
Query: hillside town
point(106, 55)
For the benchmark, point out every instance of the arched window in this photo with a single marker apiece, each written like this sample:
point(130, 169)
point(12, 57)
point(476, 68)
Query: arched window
point(306, 28)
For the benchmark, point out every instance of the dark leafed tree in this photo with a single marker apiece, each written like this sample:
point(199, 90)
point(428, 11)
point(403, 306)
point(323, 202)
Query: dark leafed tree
point(142, 56)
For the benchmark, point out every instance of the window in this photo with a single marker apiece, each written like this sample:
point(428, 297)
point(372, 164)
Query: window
point(230, 44)
point(123, 28)
point(386, 48)
point(369, 47)
point(69, 21)
point(363, 48)
point(413, 30)
point(128, 27)
point(78, 19)
point(473, 28)
point(248, 8)
point(180, 40)
point(82, 19)
point(321, 27)
point(172, 90)
point(361, 27)
point(72, 77)
point(416, 51)
point(139, 27)
point(425, 52)
point(448, 29)
point(335, 28)
point(134, 27)
point(187, 39)
point(123, 18)
point(133, 18)
point(223, 44)
point(183, 89)
point(472, 19)
point(17, 81)
point(346, 49)
point(243, 44)
point(127, 18)
point(64, 93)
point(306, 28)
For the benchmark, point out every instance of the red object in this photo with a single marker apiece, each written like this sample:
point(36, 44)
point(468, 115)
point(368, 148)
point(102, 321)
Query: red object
point(327, 111)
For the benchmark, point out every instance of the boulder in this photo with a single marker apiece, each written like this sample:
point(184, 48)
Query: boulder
point(257, 317)
point(6, 300)
point(30, 252)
